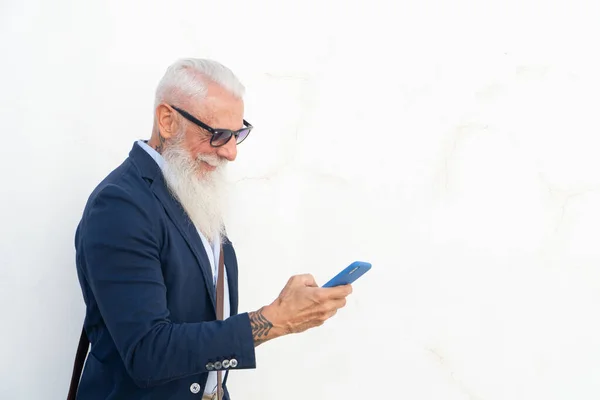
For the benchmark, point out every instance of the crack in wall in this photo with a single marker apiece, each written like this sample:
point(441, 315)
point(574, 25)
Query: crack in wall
point(459, 135)
point(564, 197)
point(444, 364)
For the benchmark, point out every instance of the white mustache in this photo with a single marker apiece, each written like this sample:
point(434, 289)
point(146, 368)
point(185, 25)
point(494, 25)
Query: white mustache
point(211, 160)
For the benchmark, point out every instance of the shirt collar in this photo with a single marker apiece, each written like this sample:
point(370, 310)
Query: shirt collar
point(153, 153)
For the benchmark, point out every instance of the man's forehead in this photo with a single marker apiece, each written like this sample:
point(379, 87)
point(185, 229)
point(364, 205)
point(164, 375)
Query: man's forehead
point(219, 110)
point(215, 108)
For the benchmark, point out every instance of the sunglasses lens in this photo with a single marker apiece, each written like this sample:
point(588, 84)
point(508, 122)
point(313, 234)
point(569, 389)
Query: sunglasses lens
point(243, 135)
point(220, 138)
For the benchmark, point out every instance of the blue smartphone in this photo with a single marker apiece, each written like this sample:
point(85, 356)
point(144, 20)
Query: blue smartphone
point(349, 274)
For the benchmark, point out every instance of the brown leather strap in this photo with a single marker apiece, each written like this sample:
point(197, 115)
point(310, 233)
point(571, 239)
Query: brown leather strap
point(82, 350)
point(220, 304)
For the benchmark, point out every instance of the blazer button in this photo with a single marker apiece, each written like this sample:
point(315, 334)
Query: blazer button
point(218, 365)
point(195, 388)
point(233, 363)
point(210, 366)
point(225, 363)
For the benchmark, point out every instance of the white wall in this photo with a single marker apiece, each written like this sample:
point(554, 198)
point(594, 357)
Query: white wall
point(452, 144)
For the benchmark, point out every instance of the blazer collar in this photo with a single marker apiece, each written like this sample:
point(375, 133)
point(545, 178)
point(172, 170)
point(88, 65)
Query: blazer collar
point(150, 170)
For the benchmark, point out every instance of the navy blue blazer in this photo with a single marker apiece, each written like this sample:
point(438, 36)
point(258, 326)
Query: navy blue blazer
point(150, 301)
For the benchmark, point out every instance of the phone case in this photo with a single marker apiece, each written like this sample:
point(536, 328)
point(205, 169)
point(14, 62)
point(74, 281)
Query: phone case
point(349, 274)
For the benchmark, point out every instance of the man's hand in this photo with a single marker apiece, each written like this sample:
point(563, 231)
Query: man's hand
point(301, 305)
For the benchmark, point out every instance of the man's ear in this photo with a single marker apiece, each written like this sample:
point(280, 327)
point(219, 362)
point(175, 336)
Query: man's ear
point(166, 121)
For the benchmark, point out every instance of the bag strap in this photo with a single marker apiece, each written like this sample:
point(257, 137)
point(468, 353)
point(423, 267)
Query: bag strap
point(82, 350)
point(220, 305)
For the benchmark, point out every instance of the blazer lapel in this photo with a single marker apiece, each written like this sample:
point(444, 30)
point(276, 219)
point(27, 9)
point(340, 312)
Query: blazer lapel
point(232, 275)
point(150, 170)
point(190, 234)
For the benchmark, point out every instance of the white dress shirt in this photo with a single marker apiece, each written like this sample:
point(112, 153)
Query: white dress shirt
point(213, 256)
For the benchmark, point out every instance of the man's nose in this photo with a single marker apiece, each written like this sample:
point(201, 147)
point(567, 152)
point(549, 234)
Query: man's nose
point(228, 150)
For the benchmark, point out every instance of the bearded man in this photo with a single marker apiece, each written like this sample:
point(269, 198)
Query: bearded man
point(159, 275)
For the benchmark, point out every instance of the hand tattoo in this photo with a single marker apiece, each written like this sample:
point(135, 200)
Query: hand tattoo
point(260, 327)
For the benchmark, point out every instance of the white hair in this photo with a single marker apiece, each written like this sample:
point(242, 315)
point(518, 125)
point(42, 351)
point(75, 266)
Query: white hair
point(184, 78)
point(204, 198)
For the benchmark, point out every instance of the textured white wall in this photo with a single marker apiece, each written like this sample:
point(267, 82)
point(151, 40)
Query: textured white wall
point(452, 144)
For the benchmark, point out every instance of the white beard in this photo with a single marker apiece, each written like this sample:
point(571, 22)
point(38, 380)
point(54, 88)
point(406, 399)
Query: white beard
point(202, 197)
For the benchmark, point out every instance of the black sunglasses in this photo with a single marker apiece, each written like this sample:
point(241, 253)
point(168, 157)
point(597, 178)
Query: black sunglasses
point(219, 136)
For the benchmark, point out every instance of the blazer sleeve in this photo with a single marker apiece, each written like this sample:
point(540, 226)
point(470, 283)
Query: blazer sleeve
point(121, 251)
